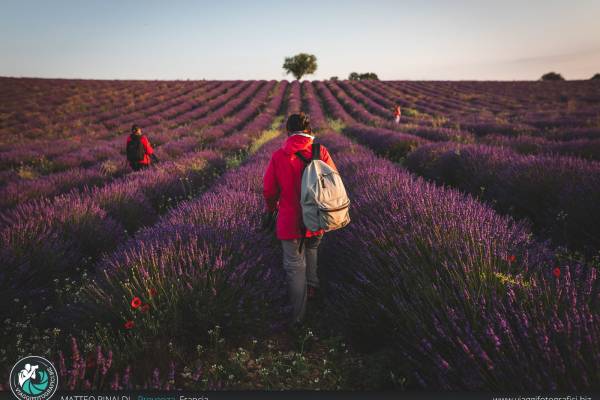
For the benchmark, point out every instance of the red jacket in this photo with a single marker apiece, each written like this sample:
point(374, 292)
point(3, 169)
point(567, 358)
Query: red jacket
point(282, 185)
point(147, 147)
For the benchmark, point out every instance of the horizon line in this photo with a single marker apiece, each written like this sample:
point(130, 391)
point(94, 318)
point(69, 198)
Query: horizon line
point(289, 80)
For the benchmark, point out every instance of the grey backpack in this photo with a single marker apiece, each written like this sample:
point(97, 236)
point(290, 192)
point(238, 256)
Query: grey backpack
point(325, 204)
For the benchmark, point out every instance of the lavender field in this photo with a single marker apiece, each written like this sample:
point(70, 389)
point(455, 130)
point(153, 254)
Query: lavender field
point(470, 263)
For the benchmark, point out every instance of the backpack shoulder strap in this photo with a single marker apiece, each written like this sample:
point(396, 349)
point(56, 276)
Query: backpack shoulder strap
point(300, 156)
point(316, 151)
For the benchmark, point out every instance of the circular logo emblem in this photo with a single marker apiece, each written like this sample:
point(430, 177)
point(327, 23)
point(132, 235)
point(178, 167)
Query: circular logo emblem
point(33, 378)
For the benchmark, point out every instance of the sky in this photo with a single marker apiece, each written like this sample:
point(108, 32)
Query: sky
point(228, 39)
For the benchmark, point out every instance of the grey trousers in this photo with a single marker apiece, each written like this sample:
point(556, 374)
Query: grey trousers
point(300, 269)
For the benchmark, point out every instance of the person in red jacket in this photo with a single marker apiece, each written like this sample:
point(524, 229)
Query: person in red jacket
point(140, 153)
point(282, 187)
point(397, 114)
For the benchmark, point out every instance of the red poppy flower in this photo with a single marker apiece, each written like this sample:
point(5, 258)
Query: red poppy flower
point(145, 308)
point(512, 258)
point(152, 292)
point(136, 302)
point(128, 324)
point(556, 272)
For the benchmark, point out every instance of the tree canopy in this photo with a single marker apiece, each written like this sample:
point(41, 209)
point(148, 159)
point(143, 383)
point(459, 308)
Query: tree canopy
point(301, 64)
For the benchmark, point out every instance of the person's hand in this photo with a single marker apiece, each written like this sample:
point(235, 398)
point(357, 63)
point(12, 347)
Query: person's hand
point(268, 221)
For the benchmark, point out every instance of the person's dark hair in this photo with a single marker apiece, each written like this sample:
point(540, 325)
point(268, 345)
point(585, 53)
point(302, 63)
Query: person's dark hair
point(135, 128)
point(298, 122)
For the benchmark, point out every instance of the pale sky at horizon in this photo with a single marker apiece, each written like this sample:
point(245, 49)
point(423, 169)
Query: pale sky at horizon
point(441, 40)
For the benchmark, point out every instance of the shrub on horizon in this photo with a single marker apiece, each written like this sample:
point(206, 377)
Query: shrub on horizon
point(354, 76)
point(552, 76)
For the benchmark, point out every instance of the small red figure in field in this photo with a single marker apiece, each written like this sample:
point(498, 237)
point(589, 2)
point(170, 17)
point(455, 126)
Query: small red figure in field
point(556, 272)
point(512, 258)
point(397, 114)
point(140, 153)
point(128, 325)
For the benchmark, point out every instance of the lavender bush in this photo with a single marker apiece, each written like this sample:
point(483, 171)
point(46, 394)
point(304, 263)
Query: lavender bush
point(557, 194)
point(461, 295)
point(450, 293)
point(391, 144)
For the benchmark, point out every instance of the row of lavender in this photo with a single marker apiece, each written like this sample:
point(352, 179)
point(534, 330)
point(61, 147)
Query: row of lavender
point(450, 111)
point(467, 318)
point(462, 296)
point(343, 107)
point(583, 145)
point(531, 97)
point(365, 94)
point(501, 106)
point(417, 134)
point(366, 104)
point(487, 321)
point(72, 107)
point(55, 150)
point(556, 193)
point(66, 153)
point(490, 113)
point(171, 103)
point(159, 112)
point(106, 162)
point(48, 238)
point(203, 106)
point(68, 105)
point(582, 142)
point(585, 148)
point(29, 92)
point(205, 263)
point(544, 106)
point(63, 164)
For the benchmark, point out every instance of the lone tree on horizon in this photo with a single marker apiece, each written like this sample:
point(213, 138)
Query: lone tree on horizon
point(552, 76)
point(301, 64)
point(596, 77)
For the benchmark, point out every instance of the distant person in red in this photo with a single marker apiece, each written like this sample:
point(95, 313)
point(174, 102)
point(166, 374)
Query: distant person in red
point(397, 114)
point(282, 188)
point(139, 151)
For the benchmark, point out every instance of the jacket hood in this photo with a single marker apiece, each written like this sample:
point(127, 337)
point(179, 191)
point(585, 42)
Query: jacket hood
point(296, 143)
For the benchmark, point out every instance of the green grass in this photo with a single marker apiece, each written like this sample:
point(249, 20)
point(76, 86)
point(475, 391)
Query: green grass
point(267, 135)
point(336, 125)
